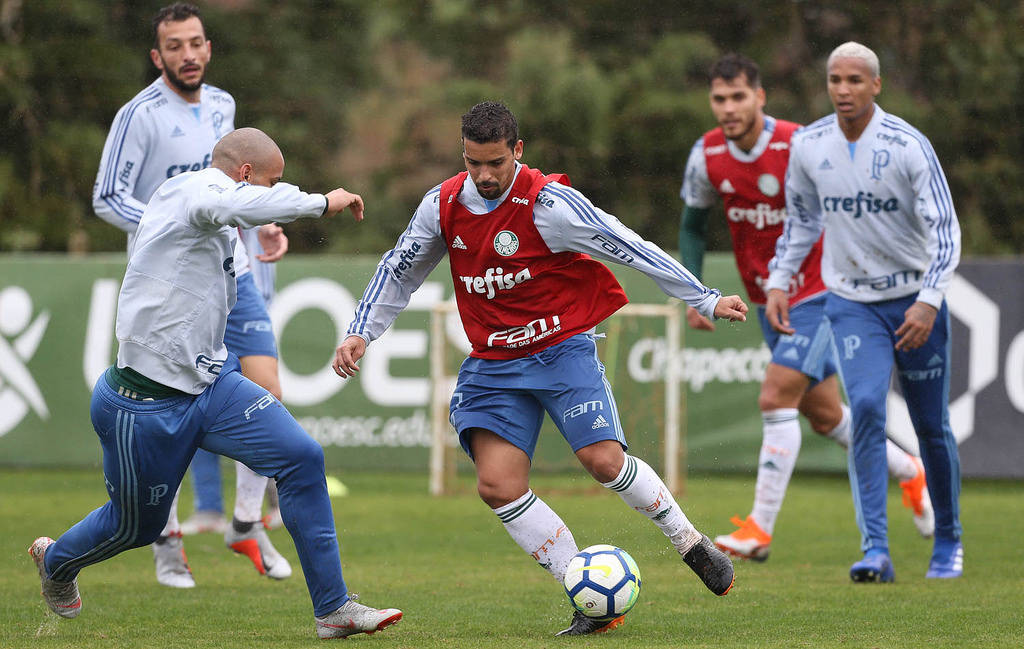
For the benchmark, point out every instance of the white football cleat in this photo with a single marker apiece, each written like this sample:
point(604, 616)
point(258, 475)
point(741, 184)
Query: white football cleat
point(171, 563)
point(747, 542)
point(916, 499)
point(61, 596)
point(256, 545)
point(352, 617)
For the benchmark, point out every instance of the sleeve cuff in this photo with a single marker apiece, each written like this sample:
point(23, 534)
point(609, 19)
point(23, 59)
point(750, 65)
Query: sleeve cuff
point(779, 279)
point(931, 296)
point(327, 203)
point(365, 338)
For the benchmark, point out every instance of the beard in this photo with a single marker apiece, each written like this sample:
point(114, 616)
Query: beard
point(746, 128)
point(490, 193)
point(180, 84)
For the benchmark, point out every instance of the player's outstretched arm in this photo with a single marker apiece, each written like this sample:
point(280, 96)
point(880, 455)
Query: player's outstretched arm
point(347, 355)
point(731, 307)
point(777, 311)
point(339, 199)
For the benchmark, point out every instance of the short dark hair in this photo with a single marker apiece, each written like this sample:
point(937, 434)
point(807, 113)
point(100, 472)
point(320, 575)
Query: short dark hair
point(175, 13)
point(490, 121)
point(732, 66)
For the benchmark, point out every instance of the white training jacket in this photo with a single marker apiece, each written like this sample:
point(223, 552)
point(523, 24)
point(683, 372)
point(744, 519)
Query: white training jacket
point(180, 281)
point(155, 136)
point(566, 220)
point(890, 226)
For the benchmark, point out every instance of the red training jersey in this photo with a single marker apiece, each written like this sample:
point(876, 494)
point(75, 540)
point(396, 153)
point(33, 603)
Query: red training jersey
point(754, 197)
point(515, 296)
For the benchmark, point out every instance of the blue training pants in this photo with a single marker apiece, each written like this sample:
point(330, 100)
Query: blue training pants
point(865, 341)
point(147, 445)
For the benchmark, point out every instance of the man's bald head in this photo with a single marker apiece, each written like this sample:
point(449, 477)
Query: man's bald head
point(251, 155)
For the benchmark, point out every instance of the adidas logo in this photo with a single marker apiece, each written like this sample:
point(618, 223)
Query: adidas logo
point(600, 422)
point(457, 243)
point(726, 187)
point(935, 360)
point(825, 165)
point(177, 132)
point(770, 465)
point(792, 354)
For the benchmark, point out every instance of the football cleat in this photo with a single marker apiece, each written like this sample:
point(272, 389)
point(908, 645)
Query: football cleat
point(583, 625)
point(352, 617)
point(875, 567)
point(171, 563)
point(204, 521)
point(916, 498)
point(712, 566)
point(947, 560)
point(256, 545)
point(61, 596)
point(747, 542)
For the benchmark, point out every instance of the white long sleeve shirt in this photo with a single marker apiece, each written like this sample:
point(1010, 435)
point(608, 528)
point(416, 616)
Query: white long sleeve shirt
point(566, 220)
point(180, 281)
point(890, 226)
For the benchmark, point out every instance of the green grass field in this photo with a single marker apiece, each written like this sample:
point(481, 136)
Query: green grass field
point(448, 564)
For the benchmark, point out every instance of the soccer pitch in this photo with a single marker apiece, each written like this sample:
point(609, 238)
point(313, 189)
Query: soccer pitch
point(462, 582)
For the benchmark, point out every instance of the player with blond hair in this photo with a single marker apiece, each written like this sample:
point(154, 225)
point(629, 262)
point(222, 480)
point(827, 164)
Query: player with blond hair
point(743, 162)
point(873, 184)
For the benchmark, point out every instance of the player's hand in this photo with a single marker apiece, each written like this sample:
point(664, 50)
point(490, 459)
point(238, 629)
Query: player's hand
point(777, 311)
point(273, 241)
point(697, 321)
point(917, 326)
point(339, 199)
point(731, 307)
point(346, 356)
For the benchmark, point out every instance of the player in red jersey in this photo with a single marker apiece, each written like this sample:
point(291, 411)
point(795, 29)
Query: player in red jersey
point(744, 162)
point(523, 250)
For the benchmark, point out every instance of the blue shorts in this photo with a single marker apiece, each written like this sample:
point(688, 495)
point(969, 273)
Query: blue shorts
point(248, 331)
point(509, 397)
point(810, 350)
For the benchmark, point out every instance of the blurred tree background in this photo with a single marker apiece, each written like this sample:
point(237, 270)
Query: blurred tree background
point(369, 94)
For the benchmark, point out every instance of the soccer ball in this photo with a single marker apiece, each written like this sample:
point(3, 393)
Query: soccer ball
point(602, 581)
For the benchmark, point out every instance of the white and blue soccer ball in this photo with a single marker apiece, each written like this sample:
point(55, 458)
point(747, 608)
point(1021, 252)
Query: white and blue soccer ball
point(602, 581)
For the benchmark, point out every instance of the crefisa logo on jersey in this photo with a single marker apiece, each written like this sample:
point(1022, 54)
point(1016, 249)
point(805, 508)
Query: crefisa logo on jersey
point(495, 279)
point(506, 243)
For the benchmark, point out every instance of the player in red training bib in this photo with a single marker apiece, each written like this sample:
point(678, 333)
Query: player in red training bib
point(743, 161)
point(523, 248)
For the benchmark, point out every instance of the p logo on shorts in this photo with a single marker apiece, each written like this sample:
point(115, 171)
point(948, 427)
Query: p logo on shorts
point(850, 346)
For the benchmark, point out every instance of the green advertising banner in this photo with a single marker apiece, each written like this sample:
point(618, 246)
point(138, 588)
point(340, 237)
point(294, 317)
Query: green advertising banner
point(56, 337)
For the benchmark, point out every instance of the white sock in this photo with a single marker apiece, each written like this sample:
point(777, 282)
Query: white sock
point(841, 433)
point(901, 465)
point(249, 488)
point(779, 450)
point(538, 530)
point(173, 526)
point(642, 489)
